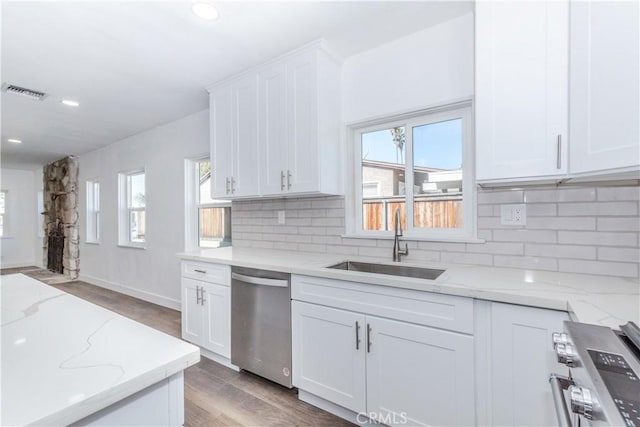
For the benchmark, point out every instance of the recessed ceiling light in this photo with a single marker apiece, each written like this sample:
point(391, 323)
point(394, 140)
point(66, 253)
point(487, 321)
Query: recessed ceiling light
point(205, 11)
point(15, 141)
point(70, 103)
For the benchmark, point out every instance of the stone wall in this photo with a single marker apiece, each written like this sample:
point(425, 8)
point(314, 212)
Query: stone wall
point(61, 209)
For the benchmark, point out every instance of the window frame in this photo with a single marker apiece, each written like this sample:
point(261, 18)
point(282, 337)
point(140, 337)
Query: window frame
point(92, 214)
point(5, 223)
point(124, 223)
point(193, 205)
point(354, 219)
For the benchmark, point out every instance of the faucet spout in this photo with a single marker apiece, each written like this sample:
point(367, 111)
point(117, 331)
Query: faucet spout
point(397, 252)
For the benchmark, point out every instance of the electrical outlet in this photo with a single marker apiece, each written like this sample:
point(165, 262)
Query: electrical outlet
point(513, 214)
point(281, 217)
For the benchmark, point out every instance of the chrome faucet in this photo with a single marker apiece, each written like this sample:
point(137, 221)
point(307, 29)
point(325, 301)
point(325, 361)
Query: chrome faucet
point(397, 252)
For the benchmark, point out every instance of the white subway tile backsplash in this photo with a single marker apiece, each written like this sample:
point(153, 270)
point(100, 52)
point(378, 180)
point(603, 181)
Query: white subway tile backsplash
point(496, 248)
point(533, 236)
point(618, 193)
point(506, 196)
point(578, 229)
point(619, 224)
point(598, 209)
point(560, 251)
point(597, 238)
point(466, 258)
point(562, 223)
point(619, 254)
point(534, 263)
point(598, 267)
point(560, 195)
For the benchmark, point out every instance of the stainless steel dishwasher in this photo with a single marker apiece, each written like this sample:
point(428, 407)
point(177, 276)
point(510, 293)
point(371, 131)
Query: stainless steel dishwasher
point(261, 323)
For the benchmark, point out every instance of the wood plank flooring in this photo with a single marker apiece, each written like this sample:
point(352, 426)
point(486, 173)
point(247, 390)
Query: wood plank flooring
point(214, 395)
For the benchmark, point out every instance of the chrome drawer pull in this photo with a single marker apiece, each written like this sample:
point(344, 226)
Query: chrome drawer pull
point(200, 271)
point(559, 383)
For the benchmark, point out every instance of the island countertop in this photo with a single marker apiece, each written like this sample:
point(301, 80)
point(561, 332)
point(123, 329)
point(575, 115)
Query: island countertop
point(64, 358)
point(601, 300)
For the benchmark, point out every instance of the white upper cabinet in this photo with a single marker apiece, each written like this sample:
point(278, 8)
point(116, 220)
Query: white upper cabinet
point(605, 86)
point(521, 89)
point(300, 124)
point(234, 138)
point(275, 129)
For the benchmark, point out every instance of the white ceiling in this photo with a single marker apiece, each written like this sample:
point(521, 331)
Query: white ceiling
point(136, 65)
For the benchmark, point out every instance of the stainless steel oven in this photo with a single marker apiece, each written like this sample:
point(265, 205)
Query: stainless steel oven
point(603, 386)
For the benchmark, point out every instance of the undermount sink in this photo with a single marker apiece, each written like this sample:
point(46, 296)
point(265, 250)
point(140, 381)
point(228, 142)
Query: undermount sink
point(391, 270)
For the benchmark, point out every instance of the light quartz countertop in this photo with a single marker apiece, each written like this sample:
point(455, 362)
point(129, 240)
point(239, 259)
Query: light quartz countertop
point(64, 358)
point(600, 300)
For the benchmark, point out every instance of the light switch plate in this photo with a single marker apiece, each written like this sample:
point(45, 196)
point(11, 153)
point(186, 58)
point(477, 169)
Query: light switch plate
point(513, 214)
point(281, 217)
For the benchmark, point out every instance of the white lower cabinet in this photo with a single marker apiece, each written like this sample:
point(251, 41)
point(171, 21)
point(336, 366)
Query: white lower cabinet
point(206, 312)
point(418, 375)
point(397, 372)
point(327, 360)
point(522, 357)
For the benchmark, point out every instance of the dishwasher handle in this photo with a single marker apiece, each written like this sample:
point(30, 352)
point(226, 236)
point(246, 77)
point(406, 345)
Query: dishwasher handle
point(278, 283)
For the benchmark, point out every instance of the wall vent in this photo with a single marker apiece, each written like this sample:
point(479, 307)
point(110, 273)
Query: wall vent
point(21, 91)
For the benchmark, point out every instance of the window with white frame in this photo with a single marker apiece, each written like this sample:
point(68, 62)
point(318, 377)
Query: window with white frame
point(421, 165)
point(209, 219)
point(3, 213)
point(93, 211)
point(132, 208)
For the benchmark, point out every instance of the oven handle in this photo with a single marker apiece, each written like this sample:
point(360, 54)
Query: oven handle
point(558, 384)
point(260, 281)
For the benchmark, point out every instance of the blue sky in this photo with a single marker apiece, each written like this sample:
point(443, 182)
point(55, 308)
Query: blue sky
point(436, 145)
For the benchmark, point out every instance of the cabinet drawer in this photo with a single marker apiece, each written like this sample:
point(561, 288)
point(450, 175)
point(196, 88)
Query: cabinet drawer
point(424, 308)
point(212, 273)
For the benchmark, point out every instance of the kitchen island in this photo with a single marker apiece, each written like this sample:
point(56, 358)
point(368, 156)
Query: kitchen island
point(67, 361)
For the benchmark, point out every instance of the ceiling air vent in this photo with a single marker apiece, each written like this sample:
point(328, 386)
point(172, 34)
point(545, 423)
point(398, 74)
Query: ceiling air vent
point(21, 91)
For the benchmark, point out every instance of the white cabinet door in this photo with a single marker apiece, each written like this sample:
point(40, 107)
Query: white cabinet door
point(302, 102)
point(192, 313)
point(273, 125)
point(522, 358)
point(605, 85)
point(327, 360)
point(221, 131)
point(418, 375)
point(521, 89)
point(245, 179)
point(217, 324)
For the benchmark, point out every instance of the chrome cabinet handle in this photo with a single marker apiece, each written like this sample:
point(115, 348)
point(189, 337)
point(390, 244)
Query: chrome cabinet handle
point(559, 153)
point(368, 338)
point(202, 300)
point(233, 186)
point(559, 383)
point(281, 180)
point(288, 180)
point(357, 335)
point(227, 185)
point(200, 271)
point(198, 295)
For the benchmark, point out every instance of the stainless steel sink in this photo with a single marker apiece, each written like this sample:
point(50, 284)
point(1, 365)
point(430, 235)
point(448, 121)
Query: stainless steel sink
point(391, 270)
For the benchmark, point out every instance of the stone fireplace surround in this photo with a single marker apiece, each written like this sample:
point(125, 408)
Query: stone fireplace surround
point(60, 196)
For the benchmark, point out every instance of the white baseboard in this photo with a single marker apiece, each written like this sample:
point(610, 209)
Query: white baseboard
point(334, 409)
point(136, 293)
point(218, 359)
point(31, 263)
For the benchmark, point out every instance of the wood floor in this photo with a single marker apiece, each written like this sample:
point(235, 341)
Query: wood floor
point(214, 394)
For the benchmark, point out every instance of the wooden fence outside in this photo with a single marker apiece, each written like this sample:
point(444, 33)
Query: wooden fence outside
point(212, 222)
point(379, 214)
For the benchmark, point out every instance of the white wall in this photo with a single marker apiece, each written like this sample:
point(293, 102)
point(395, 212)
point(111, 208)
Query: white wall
point(429, 67)
point(21, 245)
point(152, 273)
